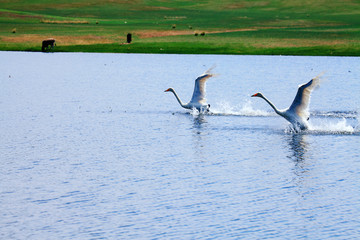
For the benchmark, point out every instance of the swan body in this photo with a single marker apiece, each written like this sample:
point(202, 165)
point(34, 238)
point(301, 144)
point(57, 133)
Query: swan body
point(298, 112)
point(198, 100)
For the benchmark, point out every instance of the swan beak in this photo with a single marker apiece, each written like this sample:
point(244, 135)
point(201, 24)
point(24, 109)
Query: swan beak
point(254, 95)
point(167, 90)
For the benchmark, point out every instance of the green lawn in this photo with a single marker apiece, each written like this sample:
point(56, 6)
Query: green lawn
point(159, 26)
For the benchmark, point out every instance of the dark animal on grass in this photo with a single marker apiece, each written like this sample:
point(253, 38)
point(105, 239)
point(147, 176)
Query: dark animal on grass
point(48, 44)
point(128, 38)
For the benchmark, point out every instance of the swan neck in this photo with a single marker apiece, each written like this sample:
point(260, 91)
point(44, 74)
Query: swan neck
point(177, 98)
point(272, 105)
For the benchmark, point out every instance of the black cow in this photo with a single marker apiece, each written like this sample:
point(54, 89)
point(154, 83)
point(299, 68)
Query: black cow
point(48, 44)
point(128, 38)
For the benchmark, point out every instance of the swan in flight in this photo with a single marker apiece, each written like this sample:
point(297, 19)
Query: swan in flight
point(298, 113)
point(198, 99)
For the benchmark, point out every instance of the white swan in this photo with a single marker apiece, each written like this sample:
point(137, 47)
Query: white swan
point(297, 114)
point(198, 99)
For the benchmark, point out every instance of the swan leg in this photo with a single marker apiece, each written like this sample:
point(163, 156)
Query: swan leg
point(294, 128)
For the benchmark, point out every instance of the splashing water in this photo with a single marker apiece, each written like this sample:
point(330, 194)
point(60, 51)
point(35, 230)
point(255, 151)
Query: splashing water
point(194, 112)
point(334, 127)
point(246, 109)
point(335, 122)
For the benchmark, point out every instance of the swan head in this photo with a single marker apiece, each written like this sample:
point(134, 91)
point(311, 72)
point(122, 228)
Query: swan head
point(169, 90)
point(258, 95)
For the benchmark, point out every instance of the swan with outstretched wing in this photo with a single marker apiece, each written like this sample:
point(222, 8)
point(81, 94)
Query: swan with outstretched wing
point(198, 99)
point(298, 112)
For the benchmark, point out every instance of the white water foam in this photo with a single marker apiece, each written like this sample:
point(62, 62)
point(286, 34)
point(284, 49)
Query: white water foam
point(332, 126)
point(336, 122)
point(195, 113)
point(245, 109)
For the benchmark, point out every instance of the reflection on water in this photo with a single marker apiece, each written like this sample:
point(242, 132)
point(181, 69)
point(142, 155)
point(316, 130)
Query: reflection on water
point(199, 120)
point(299, 154)
point(298, 147)
point(198, 132)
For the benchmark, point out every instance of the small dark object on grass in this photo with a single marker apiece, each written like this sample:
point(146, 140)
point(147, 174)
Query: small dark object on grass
point(48, 44)
point(129, 38)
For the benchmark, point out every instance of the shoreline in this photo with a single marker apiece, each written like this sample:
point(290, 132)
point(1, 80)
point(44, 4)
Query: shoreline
point(144, 53)
point(174, 49)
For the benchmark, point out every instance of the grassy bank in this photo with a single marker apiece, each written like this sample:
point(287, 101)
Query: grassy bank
point(204, 27)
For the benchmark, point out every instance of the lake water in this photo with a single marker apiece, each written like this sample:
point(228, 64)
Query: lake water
point(92, 148)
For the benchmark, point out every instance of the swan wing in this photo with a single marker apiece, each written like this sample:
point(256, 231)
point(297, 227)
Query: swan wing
point(199, 95)
point(301, 102)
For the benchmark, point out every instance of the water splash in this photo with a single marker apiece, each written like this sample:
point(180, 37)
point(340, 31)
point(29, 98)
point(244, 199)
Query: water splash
point(321, 122)
point(196, 113)
point(245, 109)
point(329, 126)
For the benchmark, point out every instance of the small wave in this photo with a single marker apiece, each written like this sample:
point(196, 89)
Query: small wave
point(336, 114)
point(332, 127)
point(246, 109)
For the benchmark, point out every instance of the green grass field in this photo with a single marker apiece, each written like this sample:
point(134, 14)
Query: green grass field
point(291, 27)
